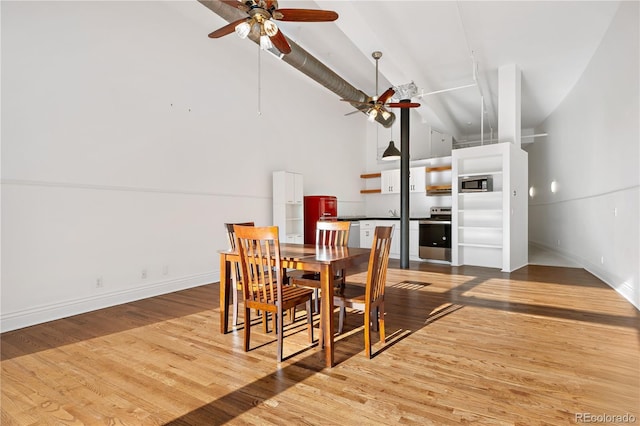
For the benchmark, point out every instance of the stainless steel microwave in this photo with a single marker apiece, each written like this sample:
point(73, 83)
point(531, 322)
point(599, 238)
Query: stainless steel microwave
point(476, 184)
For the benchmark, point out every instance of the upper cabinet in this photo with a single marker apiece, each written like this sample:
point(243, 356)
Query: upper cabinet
point(288, 207)
point(287, 188)
point(417, 179)
point(390, 181)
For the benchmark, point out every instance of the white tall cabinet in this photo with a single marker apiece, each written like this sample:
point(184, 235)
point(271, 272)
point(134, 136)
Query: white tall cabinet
point(490, 228)
point(288, 207)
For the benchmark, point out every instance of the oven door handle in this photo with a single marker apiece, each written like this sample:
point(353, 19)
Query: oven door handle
point(435, 222)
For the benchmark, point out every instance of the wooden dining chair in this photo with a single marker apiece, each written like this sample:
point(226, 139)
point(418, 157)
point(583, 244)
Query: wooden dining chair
point(372, 300)
point(328, 234)
point(262, 279)
point(235, 272)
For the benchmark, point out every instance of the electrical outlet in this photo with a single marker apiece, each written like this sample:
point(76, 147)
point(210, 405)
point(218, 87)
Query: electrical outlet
point(615, 211)
point(558, 242)
point(602, 260)
point(165, 270)
point(99, 283)
point(143, 275)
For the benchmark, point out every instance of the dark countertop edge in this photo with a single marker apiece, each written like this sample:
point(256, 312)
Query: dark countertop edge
point(357, 218)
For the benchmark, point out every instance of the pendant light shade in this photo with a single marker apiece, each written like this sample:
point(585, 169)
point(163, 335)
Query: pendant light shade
point(391, 153)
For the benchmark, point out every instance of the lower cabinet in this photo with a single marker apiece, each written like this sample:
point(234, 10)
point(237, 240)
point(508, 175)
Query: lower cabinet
point(414, 239)
point(394, 251)
point(366, 233)
point(367, 228)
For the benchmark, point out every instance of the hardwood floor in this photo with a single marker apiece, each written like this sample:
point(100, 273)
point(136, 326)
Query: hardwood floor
point(542, 345)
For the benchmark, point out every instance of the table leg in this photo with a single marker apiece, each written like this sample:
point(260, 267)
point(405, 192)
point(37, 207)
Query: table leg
point(326, 283)
point(225, 288)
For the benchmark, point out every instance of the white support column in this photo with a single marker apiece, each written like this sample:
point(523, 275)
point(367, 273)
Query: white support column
point(509, 92)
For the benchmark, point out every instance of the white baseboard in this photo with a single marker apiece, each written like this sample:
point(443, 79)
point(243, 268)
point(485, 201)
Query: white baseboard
point(617, 283)
point(44, 313)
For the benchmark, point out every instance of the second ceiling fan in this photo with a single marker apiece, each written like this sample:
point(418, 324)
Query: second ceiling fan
point(261, 14)
point(377, 104)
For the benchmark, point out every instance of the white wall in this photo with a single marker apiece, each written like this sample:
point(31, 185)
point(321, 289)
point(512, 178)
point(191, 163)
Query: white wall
point(592, 152)
point(128, 139)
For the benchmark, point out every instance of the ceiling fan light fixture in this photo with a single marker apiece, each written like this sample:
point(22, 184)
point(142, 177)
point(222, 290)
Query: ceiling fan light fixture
point(373, 113)
point(265, 42)
point(385, 114)
point(270, 28)
point(243, 29)
point(391, 153)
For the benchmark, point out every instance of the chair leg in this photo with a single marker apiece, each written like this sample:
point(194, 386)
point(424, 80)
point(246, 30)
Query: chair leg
point(235, 306)
point(310, 320)
point(343, 314)
point(247, 328)
point(374, 319)
point(316, 306)
point(278, 323)
point(381, 322)
point(367, 334)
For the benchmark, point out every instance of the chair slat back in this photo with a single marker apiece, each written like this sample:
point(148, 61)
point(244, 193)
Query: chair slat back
point(332, 233)
point(231, 233)
point(378, 263)
point(259, 250)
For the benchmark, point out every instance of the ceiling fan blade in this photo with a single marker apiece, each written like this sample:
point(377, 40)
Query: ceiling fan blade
point(386, 95)
point(403, 105)
point(227, 29)
point(281, 43)
point(236, 4)
point(305, 15)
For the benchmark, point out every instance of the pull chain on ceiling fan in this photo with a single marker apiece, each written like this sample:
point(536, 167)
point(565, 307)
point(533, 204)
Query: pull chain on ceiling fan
point(259, 22)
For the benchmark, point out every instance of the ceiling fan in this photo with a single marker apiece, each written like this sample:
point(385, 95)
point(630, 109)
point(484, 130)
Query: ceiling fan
point(377, 104)
point(261, 14)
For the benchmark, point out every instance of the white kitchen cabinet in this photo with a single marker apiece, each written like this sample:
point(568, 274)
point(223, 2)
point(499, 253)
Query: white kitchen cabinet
point(367, 229)
point(414, 240)
point(288, 207)
point(287, 188)
point(394, 250)
point(390, 181)
point(366, 233)
point(417, 179)
point(490, 228)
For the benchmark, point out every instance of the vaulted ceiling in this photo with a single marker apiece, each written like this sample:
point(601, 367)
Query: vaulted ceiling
point(437, 45)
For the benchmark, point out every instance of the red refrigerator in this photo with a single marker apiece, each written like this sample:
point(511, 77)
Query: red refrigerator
point(315, 208)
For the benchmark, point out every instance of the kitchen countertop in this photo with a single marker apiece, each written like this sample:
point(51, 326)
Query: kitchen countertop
point(356, 218)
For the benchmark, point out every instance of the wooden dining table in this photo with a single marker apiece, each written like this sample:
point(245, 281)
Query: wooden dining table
point(306, 257)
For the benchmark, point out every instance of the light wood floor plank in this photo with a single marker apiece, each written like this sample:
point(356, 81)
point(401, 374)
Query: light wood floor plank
point(465, 345)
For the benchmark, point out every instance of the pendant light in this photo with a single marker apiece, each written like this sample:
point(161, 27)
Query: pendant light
point(391, 153)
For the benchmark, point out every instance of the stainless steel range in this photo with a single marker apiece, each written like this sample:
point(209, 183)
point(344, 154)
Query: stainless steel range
point(435, 235)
